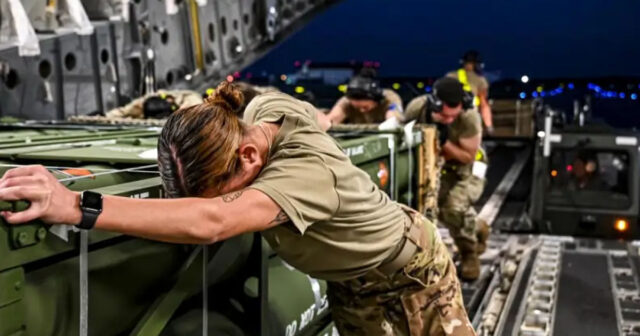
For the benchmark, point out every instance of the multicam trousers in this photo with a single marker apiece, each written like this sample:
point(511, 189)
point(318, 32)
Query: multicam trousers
point(456, 197)
point(423, 298)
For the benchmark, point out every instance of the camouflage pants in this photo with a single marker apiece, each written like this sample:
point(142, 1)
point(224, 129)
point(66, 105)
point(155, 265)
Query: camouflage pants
point(423, 298)
point(456, 198)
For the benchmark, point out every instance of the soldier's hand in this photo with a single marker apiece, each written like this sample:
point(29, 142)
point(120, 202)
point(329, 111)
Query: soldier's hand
point(49, 199)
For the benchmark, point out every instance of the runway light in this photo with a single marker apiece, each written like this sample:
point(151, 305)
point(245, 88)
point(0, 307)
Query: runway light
point(524, 79)
point(621, 95)
point(554, 173)
point(342, 88)
point(539, 88)
point(523, 95)
point(621, 225)
point(534, 94)
point(420, 85)
point(299, 89)
point(396, 86)
point(427, 88)
point(542, 94)
point(569, 168)
point(229, 78)
point(634, 96)
point(570, 86)
point(283, 77)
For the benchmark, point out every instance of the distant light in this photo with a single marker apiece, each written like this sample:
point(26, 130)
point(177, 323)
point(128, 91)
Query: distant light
point(591, 86)
point(299, 89)
point(523, 95)
point(236, 74)
point(248, 75)
point(570, 86)
point(534, 94)
point(427, 88)
point(539, 88)
point(622, 95)
point(542, 94)
point(634, 96)
point(396, 86)
point(621, 225)
point(229, 78)
point(297, 64)
point(420, 85)
point(554, 173)
point(597, 88)
point(342, 88)
point(377, 64)
point(524, 79)
point(611, 94)
point(569, 168)
point(283, 77)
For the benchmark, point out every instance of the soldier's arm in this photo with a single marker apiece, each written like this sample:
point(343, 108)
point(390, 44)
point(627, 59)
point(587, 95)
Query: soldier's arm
point(131, 110)
point(337, 114)
point(463, 152)
point(395, 107)
point(323, 120)
point(207, 220)
point(485, 109)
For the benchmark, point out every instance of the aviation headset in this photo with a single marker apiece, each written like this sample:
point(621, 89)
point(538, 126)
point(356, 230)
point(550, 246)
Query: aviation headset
point(473, 56)
point(435, 104)
point(363, 87)
point(159, 106)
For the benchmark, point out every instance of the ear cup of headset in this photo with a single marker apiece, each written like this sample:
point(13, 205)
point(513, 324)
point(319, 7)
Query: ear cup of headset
point(435, 104)
point(365, 87)
point(467, 100)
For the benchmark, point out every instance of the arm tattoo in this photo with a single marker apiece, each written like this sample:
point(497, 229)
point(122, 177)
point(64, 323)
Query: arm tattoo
point(281, 217)
point(228, 198)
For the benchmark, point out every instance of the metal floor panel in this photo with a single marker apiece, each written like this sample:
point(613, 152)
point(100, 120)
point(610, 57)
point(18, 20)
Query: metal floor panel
point(585, 301)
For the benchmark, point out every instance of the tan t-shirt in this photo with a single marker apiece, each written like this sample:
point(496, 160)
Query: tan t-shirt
point(416, 110)
point(477, 83)
point(467, 125)
point(341, 224)
point(391, 101)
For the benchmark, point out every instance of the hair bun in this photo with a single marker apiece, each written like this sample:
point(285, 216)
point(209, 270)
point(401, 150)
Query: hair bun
point(227, 94)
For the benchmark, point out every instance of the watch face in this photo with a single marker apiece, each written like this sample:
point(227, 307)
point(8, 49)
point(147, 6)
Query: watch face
point(91, 200)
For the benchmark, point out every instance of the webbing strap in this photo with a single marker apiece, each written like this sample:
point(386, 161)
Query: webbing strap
point(84, 283)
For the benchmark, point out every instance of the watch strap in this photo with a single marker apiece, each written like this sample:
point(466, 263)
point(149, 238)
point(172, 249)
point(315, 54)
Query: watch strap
point(89, 219)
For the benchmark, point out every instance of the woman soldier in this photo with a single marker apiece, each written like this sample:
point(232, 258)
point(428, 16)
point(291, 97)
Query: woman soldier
point(277, 172)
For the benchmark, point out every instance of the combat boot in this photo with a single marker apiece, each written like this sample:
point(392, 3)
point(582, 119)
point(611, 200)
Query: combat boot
point(469, 262)
point(482, 234)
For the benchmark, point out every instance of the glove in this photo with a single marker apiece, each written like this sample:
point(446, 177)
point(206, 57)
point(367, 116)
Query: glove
point(489, 130)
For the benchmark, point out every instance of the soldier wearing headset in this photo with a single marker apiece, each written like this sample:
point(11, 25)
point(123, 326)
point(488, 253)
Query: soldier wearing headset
point(450, 108)
point(470, 75)
point(366, 102)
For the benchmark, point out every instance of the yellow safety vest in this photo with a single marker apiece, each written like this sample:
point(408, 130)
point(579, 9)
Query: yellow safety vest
point(462, 77)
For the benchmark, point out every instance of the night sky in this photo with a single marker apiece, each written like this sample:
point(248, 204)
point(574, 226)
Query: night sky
point(542, 38)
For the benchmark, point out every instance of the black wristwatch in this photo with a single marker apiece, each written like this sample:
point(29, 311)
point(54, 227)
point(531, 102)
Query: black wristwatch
point(91, 207)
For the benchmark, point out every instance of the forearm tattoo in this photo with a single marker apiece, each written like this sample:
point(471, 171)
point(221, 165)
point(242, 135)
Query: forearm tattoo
point(228, 198)
point(281, 217)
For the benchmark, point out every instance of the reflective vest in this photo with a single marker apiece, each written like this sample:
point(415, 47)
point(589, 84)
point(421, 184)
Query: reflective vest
point(462, 77)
